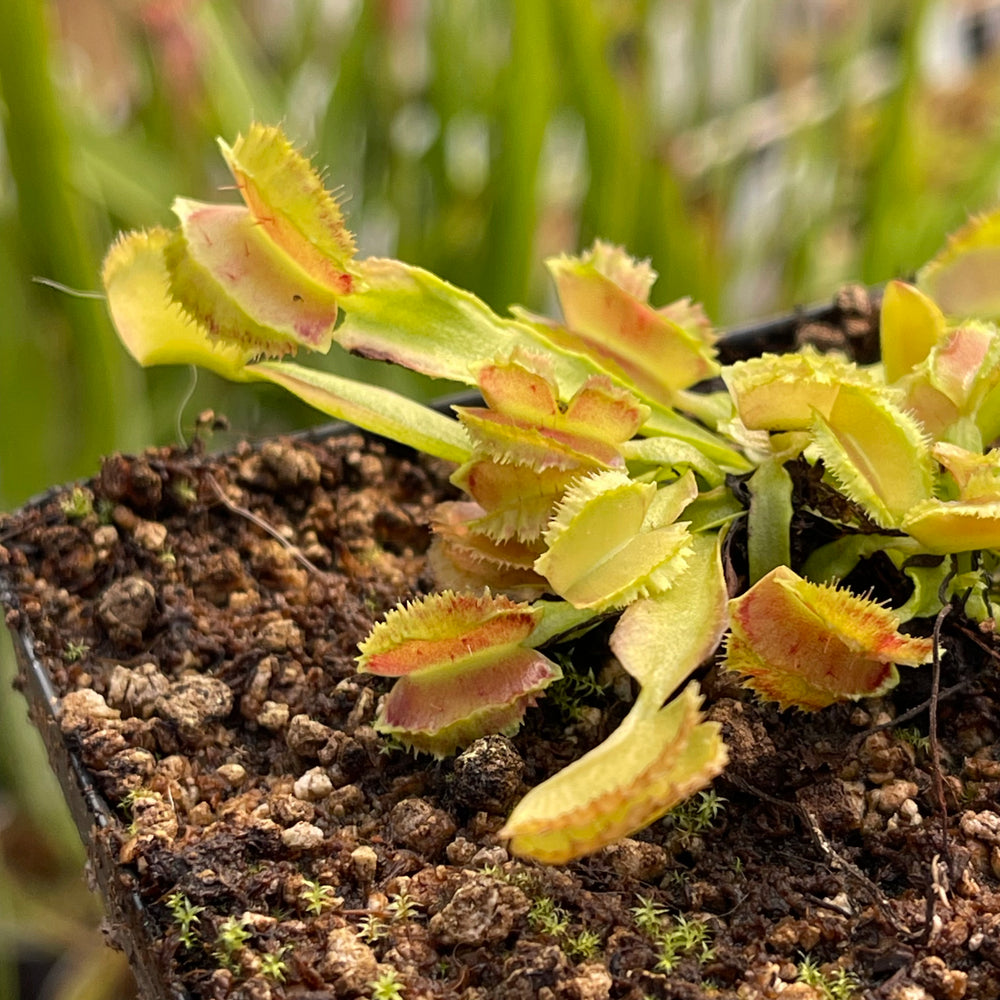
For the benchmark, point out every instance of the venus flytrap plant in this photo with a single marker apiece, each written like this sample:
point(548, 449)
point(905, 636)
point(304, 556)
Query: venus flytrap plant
point(597, 481)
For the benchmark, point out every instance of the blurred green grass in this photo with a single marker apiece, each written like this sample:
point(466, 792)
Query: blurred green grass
point(759, 153)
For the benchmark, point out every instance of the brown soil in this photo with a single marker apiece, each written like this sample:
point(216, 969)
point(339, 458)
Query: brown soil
point(207, 682)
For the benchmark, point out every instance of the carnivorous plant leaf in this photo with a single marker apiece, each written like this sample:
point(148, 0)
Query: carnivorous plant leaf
point(606, 313)
point(407, 315)
point(660, 640)
point(669, 455)
point(157, 331)
point(769, 520)
point(154, 329)
point(525, 425)
point(976, 475)
point(464, 664)
point(910, 324)
point(288, 200)
point(228, 275)
point(442, 629)
point(437, 713)
point(807, 645)
point(944, 526)
point(600, 553)
point(783, 392)
point(960, 372)
point(379, 410)
point(875, 452)
point(517, 500)
point(465, 558)
point(656, 758)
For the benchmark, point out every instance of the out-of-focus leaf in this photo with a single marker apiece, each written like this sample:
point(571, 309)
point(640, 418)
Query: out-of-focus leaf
point(961, 279)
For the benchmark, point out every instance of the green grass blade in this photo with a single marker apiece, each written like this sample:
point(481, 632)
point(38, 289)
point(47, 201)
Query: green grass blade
point(526, 95)
point(896, 239)
point(83, 367)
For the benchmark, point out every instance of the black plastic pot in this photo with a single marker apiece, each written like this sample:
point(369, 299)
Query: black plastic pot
point(131, 927)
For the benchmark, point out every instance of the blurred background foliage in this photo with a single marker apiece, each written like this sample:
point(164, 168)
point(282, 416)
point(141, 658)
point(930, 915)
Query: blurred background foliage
point(760, 152)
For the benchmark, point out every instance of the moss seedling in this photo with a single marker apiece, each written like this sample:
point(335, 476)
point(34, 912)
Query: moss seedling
point(402, 907)
point(837, 984)
point(674, 938)
point(75, 651)
point(582, 946)
point(77, 504)
point(372, 928)
point(230, 939)
point(317, 897)
point(546, 917)
point(698, 814)
point(387, 986)
point(272, 965)
point(649, 917)
point(185, 915)
point(913, 736)
point(683, 938)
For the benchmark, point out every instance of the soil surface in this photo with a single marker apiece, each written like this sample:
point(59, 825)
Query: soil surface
point(199, 618)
